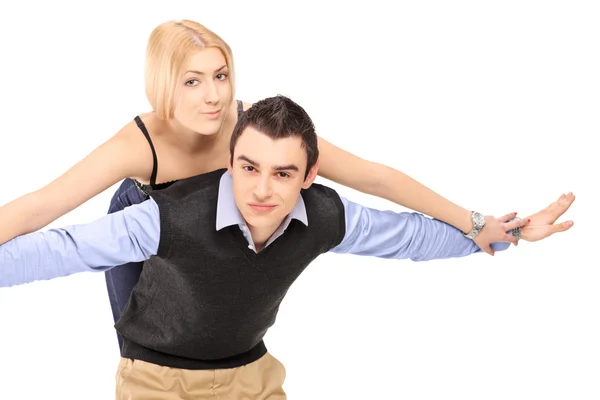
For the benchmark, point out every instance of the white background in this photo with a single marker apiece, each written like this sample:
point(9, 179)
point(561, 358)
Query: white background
point(492, 104)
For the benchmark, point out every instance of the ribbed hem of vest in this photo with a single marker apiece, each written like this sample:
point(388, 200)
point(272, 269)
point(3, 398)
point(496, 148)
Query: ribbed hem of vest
point(137, 352)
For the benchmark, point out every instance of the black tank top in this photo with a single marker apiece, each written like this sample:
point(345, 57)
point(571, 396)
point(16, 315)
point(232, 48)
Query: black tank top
point(146, 188)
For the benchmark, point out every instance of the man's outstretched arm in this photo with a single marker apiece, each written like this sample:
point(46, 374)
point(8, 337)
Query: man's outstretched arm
point(406, 235)
point(129, 235)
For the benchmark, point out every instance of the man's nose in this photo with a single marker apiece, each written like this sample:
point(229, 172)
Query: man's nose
point(263, 189)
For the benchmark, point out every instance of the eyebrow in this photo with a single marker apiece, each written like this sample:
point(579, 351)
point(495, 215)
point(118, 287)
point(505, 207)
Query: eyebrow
point(288, 167)
point(202, 73)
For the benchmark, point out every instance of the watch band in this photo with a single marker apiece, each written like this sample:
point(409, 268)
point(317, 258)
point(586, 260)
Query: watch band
point(516, 232)
point(478, 220)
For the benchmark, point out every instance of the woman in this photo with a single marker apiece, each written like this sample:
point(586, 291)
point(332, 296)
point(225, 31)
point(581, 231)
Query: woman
point(190, 83)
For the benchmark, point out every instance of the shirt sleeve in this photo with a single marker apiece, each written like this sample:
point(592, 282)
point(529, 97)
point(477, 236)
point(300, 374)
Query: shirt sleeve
point(405, 235)
point(130, 235)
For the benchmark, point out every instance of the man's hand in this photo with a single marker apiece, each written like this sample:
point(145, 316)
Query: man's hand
point(496, 230)
point(542, 224)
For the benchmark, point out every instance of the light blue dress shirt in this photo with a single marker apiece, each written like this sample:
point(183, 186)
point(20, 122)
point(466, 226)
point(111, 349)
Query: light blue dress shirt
point(133, 235)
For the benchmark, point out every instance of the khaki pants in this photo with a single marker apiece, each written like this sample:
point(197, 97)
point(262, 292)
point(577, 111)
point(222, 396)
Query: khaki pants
point(260, 380)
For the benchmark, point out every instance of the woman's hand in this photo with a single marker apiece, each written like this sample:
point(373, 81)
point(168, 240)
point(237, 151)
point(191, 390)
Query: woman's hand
point(533, 228)
point(542, 224)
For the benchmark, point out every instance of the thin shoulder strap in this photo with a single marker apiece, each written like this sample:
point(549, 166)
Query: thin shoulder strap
point(240, 109)
point(142, 127)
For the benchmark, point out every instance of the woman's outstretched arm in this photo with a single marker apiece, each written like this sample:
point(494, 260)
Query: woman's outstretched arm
point(385, 182)
point(122, 156)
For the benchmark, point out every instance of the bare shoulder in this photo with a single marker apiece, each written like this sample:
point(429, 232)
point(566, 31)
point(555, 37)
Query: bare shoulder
point(131, 144)
point(246, 105)
point(150, 122)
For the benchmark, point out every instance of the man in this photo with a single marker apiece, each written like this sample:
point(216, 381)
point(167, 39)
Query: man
point(221, 250)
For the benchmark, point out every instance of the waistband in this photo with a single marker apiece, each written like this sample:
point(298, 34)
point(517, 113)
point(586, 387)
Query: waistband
point(138, 352)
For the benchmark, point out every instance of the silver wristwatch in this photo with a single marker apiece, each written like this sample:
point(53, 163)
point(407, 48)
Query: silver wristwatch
point(478, 224)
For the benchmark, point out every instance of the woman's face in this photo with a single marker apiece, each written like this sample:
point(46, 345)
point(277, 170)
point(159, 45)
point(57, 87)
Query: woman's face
point(204, 94)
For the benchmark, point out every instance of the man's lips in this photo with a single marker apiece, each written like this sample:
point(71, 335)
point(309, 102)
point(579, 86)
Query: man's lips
point(261, 207)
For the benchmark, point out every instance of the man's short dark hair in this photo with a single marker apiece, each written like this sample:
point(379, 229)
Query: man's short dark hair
point(279, 117)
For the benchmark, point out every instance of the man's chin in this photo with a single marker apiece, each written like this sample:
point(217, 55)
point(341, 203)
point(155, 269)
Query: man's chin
point(261, 221)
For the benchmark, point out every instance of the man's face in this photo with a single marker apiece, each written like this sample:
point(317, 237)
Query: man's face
point(267, 177)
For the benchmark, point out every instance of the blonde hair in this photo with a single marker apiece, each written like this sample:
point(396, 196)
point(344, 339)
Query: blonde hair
point(169, 46)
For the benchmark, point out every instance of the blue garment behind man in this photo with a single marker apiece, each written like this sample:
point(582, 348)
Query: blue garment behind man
point(121, 280)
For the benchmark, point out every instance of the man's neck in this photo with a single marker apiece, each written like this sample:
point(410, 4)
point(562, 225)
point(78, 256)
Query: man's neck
point(260, 236)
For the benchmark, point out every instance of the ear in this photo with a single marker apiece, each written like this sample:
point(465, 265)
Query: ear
point(312, 175)
point(230, 165)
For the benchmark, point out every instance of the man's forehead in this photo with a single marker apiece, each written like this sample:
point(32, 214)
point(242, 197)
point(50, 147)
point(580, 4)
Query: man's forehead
point(262, 149)
point(251, 134)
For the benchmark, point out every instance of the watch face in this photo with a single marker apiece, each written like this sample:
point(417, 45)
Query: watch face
point(478, 220)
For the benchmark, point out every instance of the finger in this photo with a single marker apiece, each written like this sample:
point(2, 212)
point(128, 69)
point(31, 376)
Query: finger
point(560, 206)
point(511, 239)
point(563, 226)
point(508, 217)
point(565, 203)
point(509, 226)
point(488, 250)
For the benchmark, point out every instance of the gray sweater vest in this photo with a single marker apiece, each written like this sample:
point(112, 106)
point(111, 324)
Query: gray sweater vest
point(206, 300)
